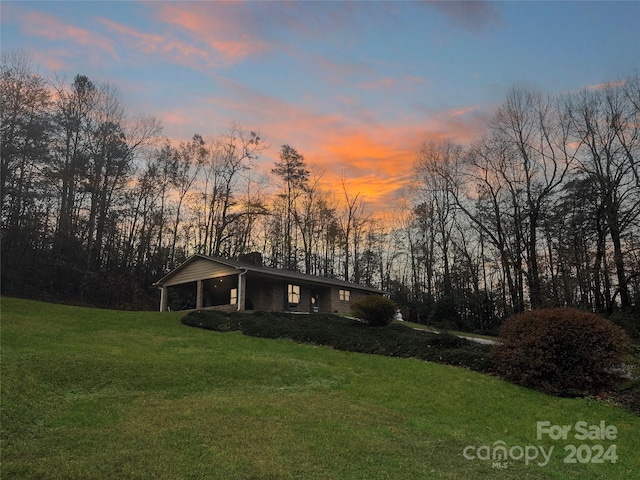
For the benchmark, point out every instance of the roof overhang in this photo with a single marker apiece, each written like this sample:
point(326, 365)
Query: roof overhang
point(269, 272)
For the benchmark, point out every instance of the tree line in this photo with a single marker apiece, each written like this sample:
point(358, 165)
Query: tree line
point(542, 210)
point(97, 204)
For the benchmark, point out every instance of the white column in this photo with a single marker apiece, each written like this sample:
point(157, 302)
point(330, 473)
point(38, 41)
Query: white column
point(163, 299)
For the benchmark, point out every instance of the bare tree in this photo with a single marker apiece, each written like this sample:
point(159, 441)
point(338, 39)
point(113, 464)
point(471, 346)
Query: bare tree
point(434, 166)
point(113, 143)
point(533, 128)
point(628, 123)
point(310, 217)
point(186, 161)
point(604, 123)
point(352, 219)
point(478, 190)
point(231, 155)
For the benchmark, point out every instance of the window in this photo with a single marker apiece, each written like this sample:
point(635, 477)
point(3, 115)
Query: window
point(234, 296)
point(293, 294)
point(345, 295)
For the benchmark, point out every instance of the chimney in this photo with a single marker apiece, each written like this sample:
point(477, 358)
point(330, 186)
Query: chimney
point(252, 258)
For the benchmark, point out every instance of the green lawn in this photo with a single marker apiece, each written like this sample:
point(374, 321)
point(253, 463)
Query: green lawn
point(98, 394)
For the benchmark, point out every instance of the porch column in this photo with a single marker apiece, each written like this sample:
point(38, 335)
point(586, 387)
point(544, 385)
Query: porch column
point(199, 294)
point(163, 299)
point(242, 291)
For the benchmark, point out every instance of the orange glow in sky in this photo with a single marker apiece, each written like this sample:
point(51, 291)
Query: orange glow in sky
point(356, 87)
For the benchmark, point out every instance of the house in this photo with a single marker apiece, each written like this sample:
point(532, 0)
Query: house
point(229, 285)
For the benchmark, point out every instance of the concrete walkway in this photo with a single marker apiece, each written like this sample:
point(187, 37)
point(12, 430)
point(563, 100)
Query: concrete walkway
point(483, 341)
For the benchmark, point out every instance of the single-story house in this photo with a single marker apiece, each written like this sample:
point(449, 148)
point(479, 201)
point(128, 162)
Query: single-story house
point(228, 285)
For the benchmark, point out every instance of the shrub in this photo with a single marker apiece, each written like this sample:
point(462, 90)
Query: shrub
point(628, 321)
point(560, 351)
point(376, 310)
point(212, 320)
point(444, 314)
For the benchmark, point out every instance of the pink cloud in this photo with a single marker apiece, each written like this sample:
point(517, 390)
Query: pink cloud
point(227, 32)
point(603, 86)
point(55, 60)
point(178, 51)
point(145, 42)
point(462, 111)
point(54, 29)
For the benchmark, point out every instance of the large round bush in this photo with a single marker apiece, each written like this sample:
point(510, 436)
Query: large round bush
point(376, 310)
point(560, 351)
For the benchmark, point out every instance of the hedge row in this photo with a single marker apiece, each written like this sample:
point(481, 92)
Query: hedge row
point(341, 333)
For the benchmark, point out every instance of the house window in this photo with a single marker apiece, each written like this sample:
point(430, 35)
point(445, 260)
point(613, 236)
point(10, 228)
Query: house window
point(345, 295)
point(293, 294)
point(234, 296)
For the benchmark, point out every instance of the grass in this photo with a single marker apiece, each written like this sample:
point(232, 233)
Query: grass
point(97, 394)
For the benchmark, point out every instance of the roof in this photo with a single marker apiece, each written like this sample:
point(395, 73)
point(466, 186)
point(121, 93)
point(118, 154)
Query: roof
point(270, 272)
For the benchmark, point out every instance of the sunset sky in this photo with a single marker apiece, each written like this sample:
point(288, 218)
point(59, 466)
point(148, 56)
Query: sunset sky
point(355, 87)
